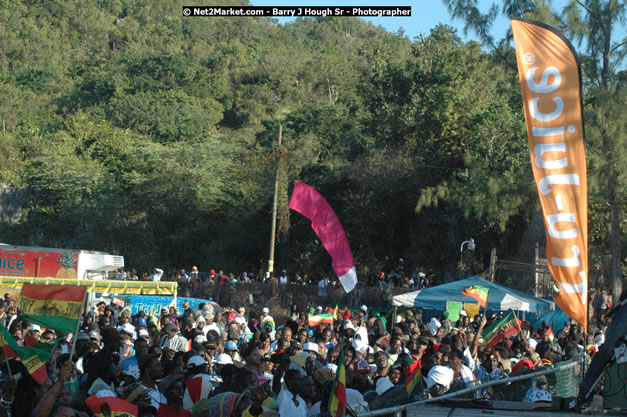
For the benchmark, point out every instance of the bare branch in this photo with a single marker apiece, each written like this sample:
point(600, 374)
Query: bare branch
point(589, 10)
point(617, 46)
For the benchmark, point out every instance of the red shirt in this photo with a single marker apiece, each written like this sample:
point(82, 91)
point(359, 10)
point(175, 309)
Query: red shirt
point(167, 411)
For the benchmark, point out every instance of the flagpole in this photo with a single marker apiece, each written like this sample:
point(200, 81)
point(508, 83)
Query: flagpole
point(6, 359)
point(520, 332)
point(78, 323)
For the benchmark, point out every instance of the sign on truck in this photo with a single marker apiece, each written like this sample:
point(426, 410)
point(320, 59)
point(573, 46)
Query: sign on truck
point(30, 261)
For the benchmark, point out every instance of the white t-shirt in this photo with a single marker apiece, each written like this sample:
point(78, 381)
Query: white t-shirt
point(156, 398)
point(288, 404)
point(434, 325)
point(156, 276)
point(212, 326)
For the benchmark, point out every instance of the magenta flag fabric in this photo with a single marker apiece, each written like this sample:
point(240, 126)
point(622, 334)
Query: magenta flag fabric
point(308, 202)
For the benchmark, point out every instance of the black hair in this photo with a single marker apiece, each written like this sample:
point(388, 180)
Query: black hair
point(456, 353)
point(55, 408)
point(247, 349)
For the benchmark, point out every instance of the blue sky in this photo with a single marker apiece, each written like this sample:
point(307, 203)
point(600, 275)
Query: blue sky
point(426, 14)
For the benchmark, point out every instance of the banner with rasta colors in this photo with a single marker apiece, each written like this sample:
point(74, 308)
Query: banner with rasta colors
point(337, 401)
point(502, 329)
point(56, 307)
point(33, 358)
point(317, 319)
point(479, 293)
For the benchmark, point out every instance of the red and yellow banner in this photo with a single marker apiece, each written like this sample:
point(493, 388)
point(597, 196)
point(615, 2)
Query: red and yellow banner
point(52, 306)
point(551, 88)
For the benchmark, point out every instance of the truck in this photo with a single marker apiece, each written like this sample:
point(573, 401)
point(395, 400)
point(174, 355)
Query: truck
point(32, 261)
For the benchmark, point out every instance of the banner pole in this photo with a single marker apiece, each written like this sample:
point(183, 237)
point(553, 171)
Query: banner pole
point(6, 360)
point(78, 323)
point(520, 332)
point(4, 353)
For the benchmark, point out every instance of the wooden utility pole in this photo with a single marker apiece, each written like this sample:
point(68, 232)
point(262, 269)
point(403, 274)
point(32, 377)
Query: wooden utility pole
point(274, 207)
point(492, 264)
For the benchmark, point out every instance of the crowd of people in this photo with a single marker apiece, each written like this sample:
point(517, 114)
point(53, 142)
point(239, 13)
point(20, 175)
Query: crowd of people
point(215, 361)
point(396, 277)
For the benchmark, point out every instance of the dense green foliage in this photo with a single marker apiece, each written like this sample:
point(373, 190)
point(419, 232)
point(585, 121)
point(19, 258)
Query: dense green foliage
point(140, 132)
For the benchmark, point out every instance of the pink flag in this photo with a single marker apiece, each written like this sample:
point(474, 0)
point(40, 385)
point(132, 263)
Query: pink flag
point(308, 202)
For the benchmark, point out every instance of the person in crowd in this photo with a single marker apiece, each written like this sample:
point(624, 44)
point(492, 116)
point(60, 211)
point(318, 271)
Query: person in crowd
point(198, 383)
point(173, 339)
point(151, 370)
point(172, 388)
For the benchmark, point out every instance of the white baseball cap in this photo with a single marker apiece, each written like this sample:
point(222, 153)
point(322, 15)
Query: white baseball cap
point(383, 386)
point(128, 328)
point(224, 359)
point(265, 310)
point(196, 360)
point(35, 328)
point(364, 307)
point(311, 347)
point(442, 375)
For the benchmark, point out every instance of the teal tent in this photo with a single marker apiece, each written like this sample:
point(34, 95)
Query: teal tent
point(500, 297)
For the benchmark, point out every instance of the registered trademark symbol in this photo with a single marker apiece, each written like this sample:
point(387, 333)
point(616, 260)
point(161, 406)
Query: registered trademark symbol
point(530, 58)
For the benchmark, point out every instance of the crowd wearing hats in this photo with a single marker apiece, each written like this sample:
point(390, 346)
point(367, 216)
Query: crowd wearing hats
point(211, 361)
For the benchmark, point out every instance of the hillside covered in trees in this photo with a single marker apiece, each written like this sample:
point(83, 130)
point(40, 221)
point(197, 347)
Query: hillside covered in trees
point(129, 128)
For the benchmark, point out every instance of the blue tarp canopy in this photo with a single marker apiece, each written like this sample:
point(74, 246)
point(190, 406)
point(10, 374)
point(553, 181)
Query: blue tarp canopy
point(499, 298)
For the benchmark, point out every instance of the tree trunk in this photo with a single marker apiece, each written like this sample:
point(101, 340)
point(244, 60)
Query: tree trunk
point(615, 245)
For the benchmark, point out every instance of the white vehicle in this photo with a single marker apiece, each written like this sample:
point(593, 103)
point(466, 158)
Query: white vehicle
point(31, 261)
